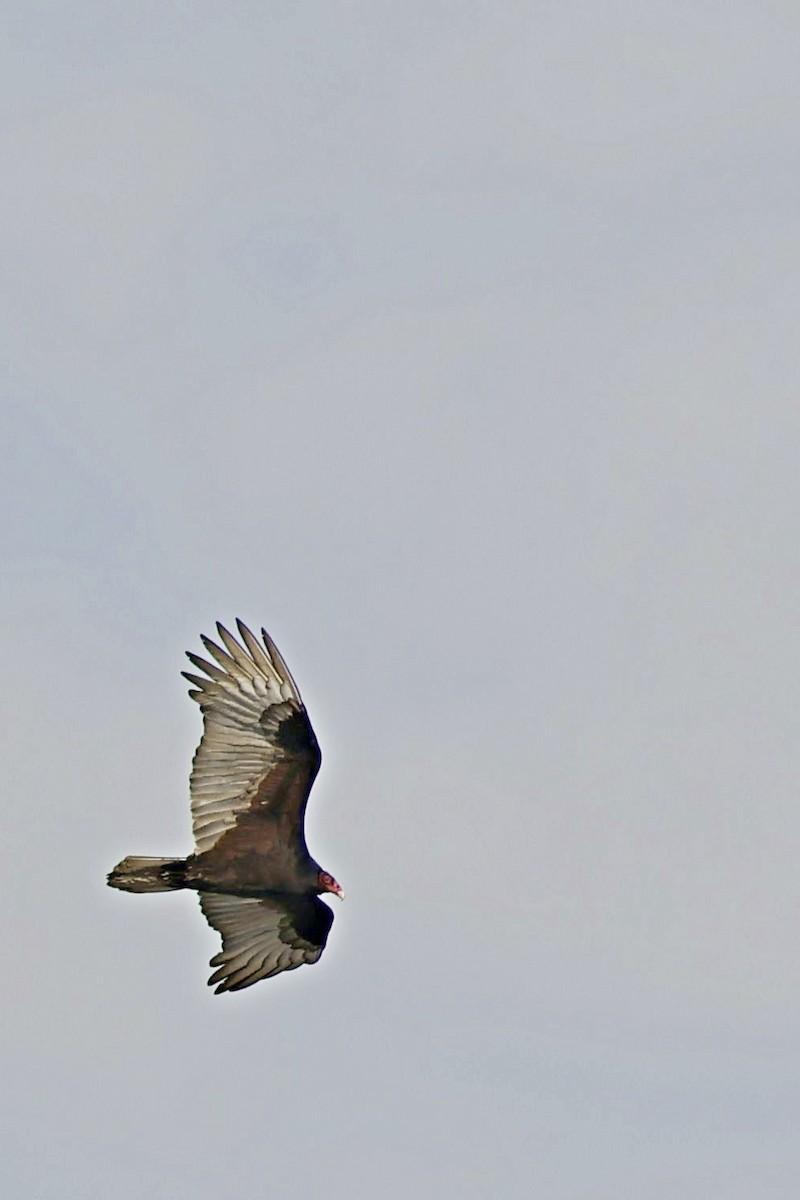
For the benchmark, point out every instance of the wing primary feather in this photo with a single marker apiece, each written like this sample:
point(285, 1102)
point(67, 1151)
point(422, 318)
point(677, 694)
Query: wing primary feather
point(278, 660)
point(196, 679)
point(234, 649)
point(256, 651)
point(234, 967)
point(224, 660)
point(209, 668)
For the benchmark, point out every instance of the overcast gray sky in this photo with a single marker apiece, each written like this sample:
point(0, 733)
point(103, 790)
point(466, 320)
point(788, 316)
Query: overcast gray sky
point(457, 344)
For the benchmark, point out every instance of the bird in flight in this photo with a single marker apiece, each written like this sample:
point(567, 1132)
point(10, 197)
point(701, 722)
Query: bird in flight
point(252, 773)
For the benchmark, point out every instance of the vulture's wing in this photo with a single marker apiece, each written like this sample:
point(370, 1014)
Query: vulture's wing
point(258, 750)
point(262, 937)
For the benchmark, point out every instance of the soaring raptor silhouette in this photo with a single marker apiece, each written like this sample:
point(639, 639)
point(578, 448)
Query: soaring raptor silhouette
point(252, 773)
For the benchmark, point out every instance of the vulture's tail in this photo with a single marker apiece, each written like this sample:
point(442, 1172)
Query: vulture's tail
point(148, 874)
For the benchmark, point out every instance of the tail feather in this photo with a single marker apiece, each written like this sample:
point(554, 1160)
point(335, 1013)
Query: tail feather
point(148, 874)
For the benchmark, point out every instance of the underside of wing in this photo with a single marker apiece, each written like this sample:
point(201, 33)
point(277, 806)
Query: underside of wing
point(262, 937)
point(254, 729)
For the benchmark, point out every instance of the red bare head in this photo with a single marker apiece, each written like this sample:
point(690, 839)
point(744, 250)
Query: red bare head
point(328, 884)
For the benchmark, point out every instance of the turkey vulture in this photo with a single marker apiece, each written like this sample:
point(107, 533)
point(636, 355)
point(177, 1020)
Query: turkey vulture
point(252, 773)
